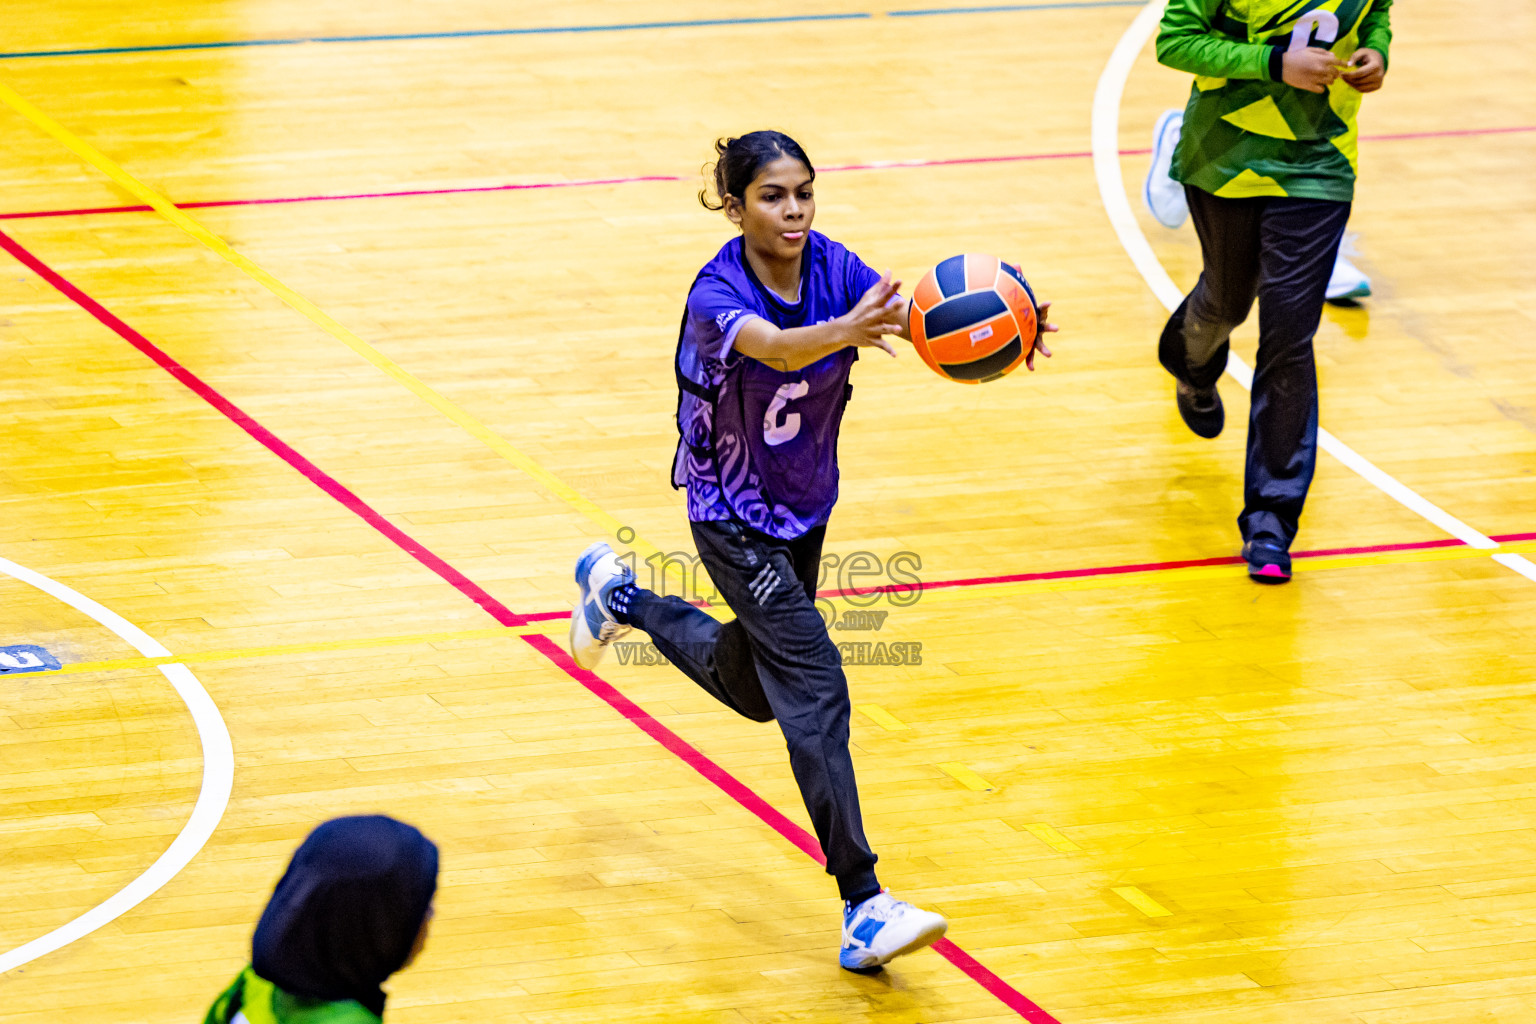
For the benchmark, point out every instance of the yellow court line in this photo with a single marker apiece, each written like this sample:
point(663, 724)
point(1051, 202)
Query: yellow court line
point(357, 644)
point(1141, 901)
point(1403, 557)
point(981, 591)
point(171, 212)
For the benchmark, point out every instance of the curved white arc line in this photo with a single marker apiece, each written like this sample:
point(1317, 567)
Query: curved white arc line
point(1105, 133)
point(212, 798)
point(1106, 169)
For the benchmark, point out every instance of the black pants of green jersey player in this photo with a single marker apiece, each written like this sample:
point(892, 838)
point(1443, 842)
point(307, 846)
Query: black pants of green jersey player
point(1280, 251)
point(774, 661)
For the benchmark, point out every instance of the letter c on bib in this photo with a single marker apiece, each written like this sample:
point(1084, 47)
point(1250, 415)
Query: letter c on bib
point(1324, 24)
point(774, 432)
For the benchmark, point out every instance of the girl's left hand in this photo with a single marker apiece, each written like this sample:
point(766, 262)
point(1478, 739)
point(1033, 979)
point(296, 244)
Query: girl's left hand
point(1042, 312)
point(1369, 70)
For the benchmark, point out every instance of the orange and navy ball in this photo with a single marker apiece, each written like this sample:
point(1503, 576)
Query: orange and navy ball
point(973, 318)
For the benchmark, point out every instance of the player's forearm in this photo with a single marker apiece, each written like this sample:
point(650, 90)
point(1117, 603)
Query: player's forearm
point(792, 348)
point(1187, 40)
point(1376, 29)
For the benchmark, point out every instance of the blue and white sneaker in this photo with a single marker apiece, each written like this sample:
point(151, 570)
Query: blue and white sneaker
point(883, 928)
point(593, 627)
point(1164, 196)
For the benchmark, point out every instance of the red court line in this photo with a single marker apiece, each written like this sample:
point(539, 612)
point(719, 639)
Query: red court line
point(500, 612)
point(1446, 133)
point(685, 751)
point(690, 755)
point(767, 813)
point(958, 161)
point(330, 198)
point(547, 616)
point(880, 165)
point(1117, 570)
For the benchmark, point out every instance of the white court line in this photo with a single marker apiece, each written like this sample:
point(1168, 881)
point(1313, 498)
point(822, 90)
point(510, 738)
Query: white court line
point(1106, 168)
point(218, 776)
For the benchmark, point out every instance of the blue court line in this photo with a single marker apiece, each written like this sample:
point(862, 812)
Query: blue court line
point(926, 12)
point(469, 34)
point(559, 29)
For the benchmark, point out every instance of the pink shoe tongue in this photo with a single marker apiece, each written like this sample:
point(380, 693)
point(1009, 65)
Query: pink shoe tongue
point(1272, 570)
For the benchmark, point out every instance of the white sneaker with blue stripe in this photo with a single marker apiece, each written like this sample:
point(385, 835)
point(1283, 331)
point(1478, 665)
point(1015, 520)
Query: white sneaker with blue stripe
point(593, 627)
point(883, 928)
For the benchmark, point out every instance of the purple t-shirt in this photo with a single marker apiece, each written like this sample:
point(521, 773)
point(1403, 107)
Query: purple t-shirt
point(759, 444)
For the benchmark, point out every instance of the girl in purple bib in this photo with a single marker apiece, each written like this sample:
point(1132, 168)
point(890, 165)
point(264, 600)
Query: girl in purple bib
point(773, 325)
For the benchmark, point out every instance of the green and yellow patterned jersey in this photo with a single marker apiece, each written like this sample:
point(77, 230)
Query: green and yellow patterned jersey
point(253, 999)
point(1247, 133)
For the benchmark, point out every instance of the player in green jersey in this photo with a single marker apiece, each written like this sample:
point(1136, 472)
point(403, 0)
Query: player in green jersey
point(1267, 154)
point(351, 910)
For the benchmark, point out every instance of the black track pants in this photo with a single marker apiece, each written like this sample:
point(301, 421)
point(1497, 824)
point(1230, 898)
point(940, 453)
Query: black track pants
point(774, 661)
point(1280, 251)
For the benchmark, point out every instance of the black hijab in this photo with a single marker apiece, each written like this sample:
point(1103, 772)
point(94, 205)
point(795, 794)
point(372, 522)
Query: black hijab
point(347, 910)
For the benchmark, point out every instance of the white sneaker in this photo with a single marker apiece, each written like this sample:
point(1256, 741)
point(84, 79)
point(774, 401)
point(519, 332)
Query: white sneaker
point(883, 928)
point(1347, 281)
point(1164, 196)
point(593, 627)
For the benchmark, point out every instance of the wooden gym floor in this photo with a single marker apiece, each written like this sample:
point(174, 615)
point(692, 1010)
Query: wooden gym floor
point(337, 455)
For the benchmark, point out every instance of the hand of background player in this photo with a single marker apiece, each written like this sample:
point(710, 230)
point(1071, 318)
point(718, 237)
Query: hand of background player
point(1042, 311)
point(874, 316)
point(1370, 68)
point(1312, 69)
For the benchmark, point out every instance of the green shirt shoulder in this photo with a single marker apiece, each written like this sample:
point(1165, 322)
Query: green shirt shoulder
point(261, 1002)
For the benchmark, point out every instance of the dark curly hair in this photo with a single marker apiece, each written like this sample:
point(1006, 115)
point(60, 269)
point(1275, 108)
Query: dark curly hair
point(739, 160)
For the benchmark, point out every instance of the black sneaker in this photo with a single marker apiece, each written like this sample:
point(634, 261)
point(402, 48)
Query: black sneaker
point(1201, 409)
point(1268, 561)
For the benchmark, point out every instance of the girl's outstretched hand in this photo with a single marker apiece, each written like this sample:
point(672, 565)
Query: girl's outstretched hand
point(875, 315)
point(1042, 312)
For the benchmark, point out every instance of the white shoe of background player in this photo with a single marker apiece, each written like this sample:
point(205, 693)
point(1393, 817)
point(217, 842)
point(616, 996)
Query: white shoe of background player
point(1163, 195)
point(1347, 282)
